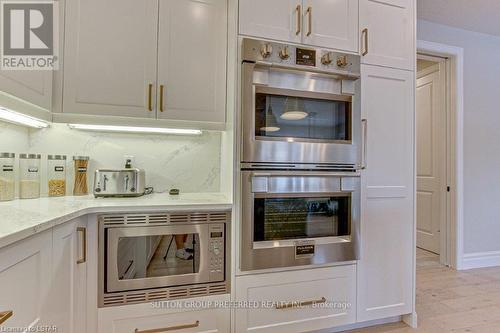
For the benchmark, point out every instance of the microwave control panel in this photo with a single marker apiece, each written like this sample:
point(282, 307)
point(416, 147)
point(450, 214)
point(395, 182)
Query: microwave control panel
point(217, 252)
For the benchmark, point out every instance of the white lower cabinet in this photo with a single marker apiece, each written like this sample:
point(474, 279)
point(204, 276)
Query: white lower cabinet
point(272, 300)
point(25, 282)
point(145, 317)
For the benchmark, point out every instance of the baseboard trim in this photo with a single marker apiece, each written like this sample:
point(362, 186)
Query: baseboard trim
point(480, 260)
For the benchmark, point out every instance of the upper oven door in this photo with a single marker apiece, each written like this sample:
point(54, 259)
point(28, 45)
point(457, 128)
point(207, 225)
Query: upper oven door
point(146, 257)
point(292, 116)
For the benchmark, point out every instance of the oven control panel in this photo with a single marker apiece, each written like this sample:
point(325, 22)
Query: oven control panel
point(303, 56)
point(217, 253)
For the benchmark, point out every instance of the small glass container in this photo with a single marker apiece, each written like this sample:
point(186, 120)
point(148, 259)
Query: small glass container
point(56, 175)
point(81, 168)
point(29, 176)
point(7, 178)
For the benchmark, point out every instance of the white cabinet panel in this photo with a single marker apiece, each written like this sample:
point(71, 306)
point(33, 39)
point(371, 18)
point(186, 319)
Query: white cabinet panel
point(334, 24)
point(192, 50)
point(389, 39)
point(34, 87)
point(110, 57)
point(327, 286)
point(277, 19)
point(68, 292)
point(25, 272)
point(385, 268)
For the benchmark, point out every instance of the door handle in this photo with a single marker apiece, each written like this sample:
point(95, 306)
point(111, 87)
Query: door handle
point(309, 21)
point(162, 88)
point(5, 315)
point(364, 123)
point(150, 97)
point(299, 20)
point(290, 305)
point(170, 328)
point(83, 232)
point(365, 41)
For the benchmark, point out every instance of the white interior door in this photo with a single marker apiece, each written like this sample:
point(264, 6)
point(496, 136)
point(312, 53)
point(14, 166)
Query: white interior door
point(431, 158)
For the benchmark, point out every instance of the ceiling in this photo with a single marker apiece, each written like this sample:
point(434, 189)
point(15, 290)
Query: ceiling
point(475, 15)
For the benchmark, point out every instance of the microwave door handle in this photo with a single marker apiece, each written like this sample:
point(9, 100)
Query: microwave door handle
point(364, 123)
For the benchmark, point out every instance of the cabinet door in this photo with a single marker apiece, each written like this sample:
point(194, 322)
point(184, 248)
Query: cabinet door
point(332, 24)
point(389, 38)
point(25, 272)
point(277, 19)
point(68, 290)
point(192, 60)
point(110, 57)
point(34, 87)
point(385, 268)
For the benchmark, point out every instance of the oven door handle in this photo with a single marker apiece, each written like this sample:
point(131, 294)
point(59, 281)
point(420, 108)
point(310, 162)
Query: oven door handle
point(305, 174)
point(338, 74)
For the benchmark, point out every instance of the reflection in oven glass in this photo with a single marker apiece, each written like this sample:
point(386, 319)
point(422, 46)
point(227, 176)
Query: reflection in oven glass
point(156, 256)
point(297, 218)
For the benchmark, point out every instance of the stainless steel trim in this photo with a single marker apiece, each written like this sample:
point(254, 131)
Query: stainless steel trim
point(30, 156)
point(7, 155)
point(292, 243)
point(56, 157)
point(341, 75)
point(83, 232)
point(338, 167)
point(169, 329)
point(364, 143)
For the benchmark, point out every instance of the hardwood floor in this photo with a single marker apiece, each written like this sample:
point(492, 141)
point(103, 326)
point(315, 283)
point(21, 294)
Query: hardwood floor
point(451, 301)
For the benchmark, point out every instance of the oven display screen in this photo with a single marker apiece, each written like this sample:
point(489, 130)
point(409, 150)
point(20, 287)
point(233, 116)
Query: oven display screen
point(305, 57)
point(216, 234)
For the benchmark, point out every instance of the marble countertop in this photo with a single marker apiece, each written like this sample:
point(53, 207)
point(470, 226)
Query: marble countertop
point(20, 219)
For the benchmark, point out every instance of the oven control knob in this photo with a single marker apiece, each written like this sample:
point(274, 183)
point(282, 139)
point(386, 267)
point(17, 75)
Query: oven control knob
point(266, 50)
point(342, 61)
point(327, 59)
point(284, 54)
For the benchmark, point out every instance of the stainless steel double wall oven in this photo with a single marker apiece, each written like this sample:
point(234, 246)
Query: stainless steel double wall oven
point(302, 147)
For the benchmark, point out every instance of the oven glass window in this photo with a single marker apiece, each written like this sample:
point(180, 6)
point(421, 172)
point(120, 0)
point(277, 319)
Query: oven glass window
point(157, 256)
point(304, 217)
point(286, 117)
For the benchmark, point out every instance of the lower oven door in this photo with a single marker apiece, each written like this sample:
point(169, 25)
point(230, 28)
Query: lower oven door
point(298, 218)
point(149, 257)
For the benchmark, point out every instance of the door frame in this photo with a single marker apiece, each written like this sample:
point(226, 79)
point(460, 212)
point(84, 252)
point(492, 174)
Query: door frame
point(454, 154)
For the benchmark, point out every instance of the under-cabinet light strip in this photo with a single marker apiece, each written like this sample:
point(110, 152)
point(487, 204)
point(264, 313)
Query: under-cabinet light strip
point(134, 129)
point(21, 119)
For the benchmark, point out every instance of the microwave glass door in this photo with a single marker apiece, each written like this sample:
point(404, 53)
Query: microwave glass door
point(287, 116)
point(294, 217)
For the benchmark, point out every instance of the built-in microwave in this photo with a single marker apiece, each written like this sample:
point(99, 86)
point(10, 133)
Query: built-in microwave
point(139, 259)
point(300, 105)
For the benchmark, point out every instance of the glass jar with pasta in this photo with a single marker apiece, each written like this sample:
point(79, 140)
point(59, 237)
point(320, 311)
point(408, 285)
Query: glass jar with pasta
point(81, 167)
point(56, 175)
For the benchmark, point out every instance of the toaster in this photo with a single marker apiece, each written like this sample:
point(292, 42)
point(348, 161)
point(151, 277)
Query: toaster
point(119, 183)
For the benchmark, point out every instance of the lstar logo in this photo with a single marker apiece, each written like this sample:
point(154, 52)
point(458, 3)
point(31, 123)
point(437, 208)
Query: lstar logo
point(29, 35)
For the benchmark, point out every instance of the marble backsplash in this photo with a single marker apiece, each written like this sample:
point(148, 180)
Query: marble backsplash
point(189, 163)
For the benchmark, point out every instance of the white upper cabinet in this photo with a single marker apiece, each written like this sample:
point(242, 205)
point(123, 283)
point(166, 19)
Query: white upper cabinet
point(385, 268)
point(387, 33)
point(277, 19)
point(323, 23)
point(331, 24)
point(192, 48)
point(110, 57)
point(34, 87)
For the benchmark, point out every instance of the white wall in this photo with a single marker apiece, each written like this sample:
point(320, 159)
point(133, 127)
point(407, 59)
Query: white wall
point(481, 132)
point(189, 163)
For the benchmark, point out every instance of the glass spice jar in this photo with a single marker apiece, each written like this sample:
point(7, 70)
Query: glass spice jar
point(29, 176)
point(56, 175)
point(81, 167)
point(7, 178)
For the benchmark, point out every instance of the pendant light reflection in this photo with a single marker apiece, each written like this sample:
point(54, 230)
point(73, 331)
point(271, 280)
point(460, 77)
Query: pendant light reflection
point(294, 109)
point(271, 124)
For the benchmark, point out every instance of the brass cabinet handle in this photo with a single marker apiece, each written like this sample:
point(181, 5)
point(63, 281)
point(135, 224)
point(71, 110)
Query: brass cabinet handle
point(162, 87)
point(299, 20)
point(309, 23)
point(365, 38)
point(290, 305)
point(83, 232)
point(169, 329)
point(150, 97)
point(5, 315)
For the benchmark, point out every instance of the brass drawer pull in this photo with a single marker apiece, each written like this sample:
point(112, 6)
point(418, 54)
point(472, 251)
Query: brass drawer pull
point(299, 20)
point(162, 88)
point(309, 24)
point(83, 232)
point(365, 38)
point(150, 97)
point(5, 315)
point(290, 305)
point(169, 329)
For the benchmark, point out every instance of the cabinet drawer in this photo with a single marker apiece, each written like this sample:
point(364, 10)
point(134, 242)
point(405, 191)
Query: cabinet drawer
point(274, 300)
